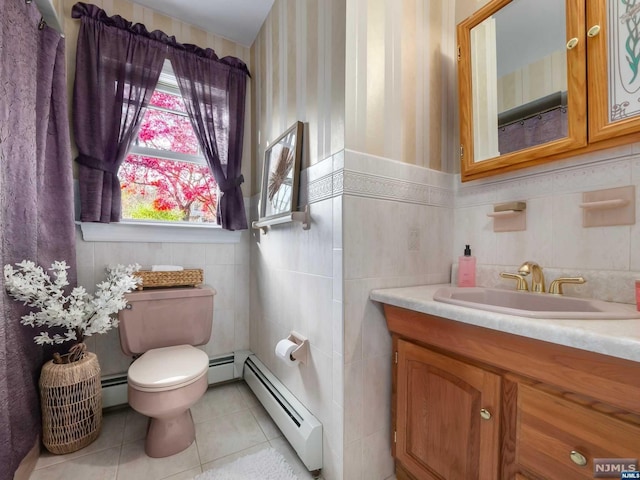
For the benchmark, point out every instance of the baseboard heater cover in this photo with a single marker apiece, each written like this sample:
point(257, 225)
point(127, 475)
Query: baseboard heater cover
point(299, 426)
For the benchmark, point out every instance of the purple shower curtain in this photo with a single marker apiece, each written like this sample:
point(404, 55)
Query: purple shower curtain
point(36, 204)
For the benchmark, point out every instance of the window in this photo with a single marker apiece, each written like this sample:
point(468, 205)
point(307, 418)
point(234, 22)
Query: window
point(165, 177)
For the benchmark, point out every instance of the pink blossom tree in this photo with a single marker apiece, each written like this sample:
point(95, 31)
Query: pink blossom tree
point(167, 189)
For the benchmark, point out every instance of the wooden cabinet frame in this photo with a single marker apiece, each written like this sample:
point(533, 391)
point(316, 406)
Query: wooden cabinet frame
point(587, 79)
point(597, 79)
point(601, 383)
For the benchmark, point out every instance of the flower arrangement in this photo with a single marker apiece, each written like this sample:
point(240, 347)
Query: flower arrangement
point(79, 313)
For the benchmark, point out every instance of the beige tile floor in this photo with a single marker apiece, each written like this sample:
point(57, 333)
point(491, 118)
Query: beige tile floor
point(230, 423)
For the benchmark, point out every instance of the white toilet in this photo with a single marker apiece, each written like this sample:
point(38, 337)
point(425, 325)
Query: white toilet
point(170, 375)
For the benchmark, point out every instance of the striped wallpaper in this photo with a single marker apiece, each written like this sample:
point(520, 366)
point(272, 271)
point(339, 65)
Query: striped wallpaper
point(298, 60)
point(373, 76)
point(400, 80)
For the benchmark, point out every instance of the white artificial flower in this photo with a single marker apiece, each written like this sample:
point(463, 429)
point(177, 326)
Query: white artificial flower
point(80, 313)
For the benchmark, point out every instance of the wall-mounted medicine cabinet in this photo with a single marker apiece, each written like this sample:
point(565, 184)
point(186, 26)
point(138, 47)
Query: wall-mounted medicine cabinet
point(540, 80)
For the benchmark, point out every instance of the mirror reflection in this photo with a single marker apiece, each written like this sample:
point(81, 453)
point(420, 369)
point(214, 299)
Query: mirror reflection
point(519, 78)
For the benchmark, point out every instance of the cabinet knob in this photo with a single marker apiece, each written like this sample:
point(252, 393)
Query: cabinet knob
point(578, 458)
point(572, 43)
point(593, 31)
point(485, 414)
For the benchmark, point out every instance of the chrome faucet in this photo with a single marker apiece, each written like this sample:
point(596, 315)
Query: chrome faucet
point(537, 277)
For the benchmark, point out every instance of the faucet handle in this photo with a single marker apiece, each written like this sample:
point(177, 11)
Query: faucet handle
point(521, 284)
point(556, 285)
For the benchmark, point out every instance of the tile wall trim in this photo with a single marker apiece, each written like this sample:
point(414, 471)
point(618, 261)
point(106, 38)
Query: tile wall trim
point(383, 179)
point(358, 174)
point(606, 168)
point(321, 189)
point(381, 187)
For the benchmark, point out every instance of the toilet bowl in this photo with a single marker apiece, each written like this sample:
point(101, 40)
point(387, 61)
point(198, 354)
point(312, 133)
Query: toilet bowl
point(171, 374)
point(163, 384)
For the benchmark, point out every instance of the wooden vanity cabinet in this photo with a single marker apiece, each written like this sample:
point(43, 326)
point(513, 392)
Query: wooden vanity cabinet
point(549, 428)
point(442, 433)
point(474, 403)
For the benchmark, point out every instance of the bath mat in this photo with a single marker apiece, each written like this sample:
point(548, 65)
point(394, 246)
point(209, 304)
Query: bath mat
point(267, 464)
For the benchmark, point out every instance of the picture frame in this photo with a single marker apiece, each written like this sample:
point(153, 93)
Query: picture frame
point(280, 175)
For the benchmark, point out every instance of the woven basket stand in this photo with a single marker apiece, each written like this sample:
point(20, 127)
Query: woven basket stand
point(71, 400)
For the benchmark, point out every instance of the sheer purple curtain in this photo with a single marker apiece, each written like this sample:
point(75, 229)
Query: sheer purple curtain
point(214, 94)
point(36, 205)
point(117, 67)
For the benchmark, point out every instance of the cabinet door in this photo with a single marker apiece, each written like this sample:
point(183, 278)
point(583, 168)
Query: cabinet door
point(441, 402)
point(613, 58)
point(560, 439)
point(521, 89)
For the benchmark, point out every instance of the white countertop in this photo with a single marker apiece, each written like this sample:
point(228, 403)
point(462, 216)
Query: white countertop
point(617, 338)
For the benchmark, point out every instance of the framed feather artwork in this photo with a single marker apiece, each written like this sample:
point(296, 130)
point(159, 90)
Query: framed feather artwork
point(280, 174)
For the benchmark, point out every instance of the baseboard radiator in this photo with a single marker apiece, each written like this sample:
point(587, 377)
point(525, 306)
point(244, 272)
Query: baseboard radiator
point(301, 429)
point(298, 425)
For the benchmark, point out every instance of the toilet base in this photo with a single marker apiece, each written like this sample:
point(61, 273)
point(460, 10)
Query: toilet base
point(170, 429)
point(168, 436)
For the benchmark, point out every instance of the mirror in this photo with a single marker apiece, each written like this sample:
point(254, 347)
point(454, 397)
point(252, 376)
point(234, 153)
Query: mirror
point(519, 77)
point(517, 85)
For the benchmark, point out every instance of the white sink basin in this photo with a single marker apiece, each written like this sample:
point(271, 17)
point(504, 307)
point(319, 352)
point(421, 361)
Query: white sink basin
point(534, 305)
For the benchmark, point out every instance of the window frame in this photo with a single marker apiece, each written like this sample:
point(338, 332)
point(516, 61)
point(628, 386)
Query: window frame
point(167, 83)
point(143, 230)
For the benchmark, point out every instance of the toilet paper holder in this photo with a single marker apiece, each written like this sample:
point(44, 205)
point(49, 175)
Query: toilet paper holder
point(302, 351)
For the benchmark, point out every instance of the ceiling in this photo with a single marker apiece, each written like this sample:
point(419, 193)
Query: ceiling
point(237, 20)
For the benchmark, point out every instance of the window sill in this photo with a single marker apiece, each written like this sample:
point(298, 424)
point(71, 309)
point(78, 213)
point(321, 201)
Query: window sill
point(155, 232)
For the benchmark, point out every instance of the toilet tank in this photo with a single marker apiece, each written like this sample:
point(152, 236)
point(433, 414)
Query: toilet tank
point(166, 317)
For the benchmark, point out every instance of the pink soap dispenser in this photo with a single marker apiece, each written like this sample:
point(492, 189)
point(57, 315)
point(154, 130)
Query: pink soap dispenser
point(467, 269)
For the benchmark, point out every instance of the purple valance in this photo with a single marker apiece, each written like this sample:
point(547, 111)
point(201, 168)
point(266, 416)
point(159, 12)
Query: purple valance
point(94, 12)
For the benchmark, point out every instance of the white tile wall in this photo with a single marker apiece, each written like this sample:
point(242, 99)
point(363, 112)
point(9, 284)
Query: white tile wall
point(226, 268)
point(318, 281)
point(413, 234)
point(607, 257)
point(397, 231)
point(296, 284)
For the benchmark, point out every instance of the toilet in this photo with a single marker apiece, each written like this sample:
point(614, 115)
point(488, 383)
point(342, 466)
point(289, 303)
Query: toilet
point(161, 328)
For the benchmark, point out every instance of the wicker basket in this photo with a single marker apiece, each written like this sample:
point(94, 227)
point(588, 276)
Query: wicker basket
point(71, 398)
point(183, 278)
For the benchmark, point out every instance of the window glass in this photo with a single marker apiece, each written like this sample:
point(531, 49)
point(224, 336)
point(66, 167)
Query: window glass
point(165, 127)
point(165, 176)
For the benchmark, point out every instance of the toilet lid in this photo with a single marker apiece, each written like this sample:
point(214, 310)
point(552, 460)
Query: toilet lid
point(161, 368)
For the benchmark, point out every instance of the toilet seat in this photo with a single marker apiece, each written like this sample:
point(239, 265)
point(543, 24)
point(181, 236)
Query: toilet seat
point(167, 368)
